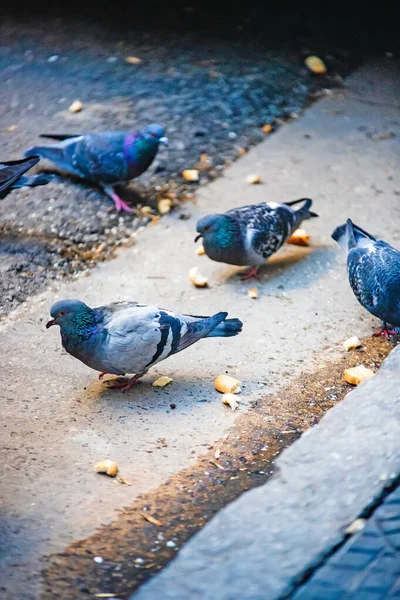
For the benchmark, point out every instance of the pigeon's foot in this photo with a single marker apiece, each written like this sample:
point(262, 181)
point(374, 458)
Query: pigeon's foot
point(124, 384)
point(101, 375)
point(251, 274)
point(386, 333)
point(119, 204)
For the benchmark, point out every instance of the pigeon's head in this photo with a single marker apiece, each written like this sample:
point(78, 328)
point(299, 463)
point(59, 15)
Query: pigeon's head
point(156, 133)
point(216, 229)
point(69, 314)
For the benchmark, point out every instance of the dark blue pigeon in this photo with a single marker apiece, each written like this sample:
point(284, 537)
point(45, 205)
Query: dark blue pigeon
point(127, 337)
point(12, 175)
point(105, 158)
point(251, 234)
point(373, 268)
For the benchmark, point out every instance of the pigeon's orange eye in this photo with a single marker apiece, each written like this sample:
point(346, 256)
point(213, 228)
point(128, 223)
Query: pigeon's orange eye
point(62, 313)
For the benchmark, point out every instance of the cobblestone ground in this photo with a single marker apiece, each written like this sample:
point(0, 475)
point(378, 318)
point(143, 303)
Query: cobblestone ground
point(367, 567)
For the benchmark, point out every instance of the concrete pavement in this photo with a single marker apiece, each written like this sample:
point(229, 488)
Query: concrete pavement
point(265, 543)
point(59, 420)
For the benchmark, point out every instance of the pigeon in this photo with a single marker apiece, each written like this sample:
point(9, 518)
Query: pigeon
point(249, 235)
point(373, 268)
point(12, 175)
point(105, 158)
point(128, 337)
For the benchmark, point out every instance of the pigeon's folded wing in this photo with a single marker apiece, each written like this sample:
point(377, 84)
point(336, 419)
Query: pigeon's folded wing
point(101, 156)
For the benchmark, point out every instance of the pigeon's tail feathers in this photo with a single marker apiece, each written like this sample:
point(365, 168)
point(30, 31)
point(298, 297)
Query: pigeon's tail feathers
point(227, 328)
point(59, 136)
point(350, 235)
point(33, 180)
point(201, 327)
point(307, 205)
point(304, 211)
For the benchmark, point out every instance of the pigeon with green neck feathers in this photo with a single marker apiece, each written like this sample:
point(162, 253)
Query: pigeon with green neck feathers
point(128, 337)
point(249, 235)
point(105, 158)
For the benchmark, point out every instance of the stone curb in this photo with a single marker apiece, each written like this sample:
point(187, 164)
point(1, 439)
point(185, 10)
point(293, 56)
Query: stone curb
point(262, 545)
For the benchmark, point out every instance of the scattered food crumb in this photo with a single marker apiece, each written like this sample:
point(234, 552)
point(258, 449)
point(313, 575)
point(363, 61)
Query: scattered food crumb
point(98, 559)
point(123, 480)
point(196, 278)
point(358, 374)
point(242, 151)
point(267, 128)
point(315, 64)
point(162, 381)
point(252, 293)
point(146, 211)
point(227, 384)
point(217, 453)
point(190, 175)
point(200, 250)
point(107, 466)
point(230, 400)
point(299, 238)
point(355, 526)
point(76, 106)
point(133, 60)
point(352, 343)
point(164, 206)
point(253, 179)
point(170, 544)
point(151, 519)
point(105, 595)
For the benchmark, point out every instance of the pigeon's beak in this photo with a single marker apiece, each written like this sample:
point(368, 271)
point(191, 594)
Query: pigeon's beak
point(50, 323)
point(196, 239)
point(164, 141)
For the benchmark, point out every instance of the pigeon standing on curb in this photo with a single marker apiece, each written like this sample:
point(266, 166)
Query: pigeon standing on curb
point(127, 337)
point(105, 158)
point(251, 234)
point(12, 175)
point(373, 268)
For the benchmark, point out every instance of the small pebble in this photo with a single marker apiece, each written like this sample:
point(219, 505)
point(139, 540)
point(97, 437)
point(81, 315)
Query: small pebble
point(172, 405)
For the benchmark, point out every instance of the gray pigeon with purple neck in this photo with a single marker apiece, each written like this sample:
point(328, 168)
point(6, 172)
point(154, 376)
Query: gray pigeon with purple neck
point(105, 158)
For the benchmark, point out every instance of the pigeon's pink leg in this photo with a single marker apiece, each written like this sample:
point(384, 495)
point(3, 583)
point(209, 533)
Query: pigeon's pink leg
point(119, 204)
point(124, 385)
point(385, 332)
point(101, 375)
point(252, 273)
